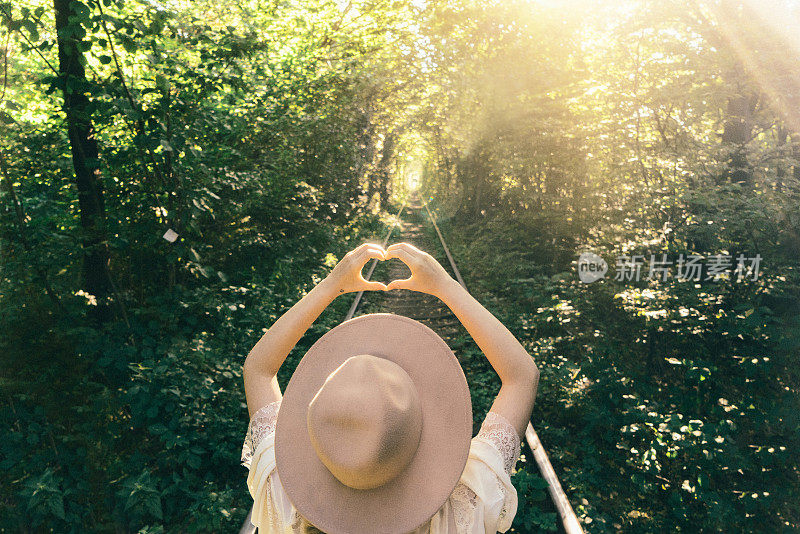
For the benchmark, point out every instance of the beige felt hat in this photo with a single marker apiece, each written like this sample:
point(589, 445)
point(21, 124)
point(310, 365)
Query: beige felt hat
point(374, 428)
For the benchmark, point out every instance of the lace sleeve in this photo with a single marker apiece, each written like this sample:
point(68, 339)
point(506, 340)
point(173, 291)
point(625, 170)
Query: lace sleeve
point(499, 432)
point(262, 424)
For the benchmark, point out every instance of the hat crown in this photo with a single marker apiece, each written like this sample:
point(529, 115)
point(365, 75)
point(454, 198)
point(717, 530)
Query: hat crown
point(424, 485)
point(365, 422)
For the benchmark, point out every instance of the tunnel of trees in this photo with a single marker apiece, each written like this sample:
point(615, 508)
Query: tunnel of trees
point(176, 174)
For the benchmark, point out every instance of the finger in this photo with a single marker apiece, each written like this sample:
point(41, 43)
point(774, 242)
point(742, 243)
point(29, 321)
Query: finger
point(405, 283)
point(411, 251)
point(370, 253)
point(376, 246)
point(407, 246)
point(368, 246)
point(402, 245)
point(401, 254)
point(363, 246)
point(374, 286)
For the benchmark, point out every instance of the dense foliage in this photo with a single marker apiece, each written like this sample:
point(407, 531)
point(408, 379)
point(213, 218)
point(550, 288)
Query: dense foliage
point(244, 142)
point(242, 147)
point(667, 404)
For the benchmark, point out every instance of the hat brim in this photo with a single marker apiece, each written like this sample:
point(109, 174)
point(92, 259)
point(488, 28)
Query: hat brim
point(422, 488)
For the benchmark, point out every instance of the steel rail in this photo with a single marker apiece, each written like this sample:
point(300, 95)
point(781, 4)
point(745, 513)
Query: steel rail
point(568, 518)
point(357, 300)
point(444, 246)
point(565, 511)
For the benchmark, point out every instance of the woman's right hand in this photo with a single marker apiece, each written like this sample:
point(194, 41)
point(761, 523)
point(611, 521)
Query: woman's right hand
point(427, 274)
point(346, 275)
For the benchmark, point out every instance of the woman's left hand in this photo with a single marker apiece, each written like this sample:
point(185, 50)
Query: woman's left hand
point(346, 276)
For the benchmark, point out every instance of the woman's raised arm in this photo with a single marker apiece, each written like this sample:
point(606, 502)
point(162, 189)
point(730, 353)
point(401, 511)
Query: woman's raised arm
point(266, 357)
point(515, 367)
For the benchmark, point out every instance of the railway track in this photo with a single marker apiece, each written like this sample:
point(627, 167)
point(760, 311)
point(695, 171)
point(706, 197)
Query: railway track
point(432, 312)
point(425, 308)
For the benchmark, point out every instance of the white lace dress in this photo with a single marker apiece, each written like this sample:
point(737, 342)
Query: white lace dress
point(484, 501)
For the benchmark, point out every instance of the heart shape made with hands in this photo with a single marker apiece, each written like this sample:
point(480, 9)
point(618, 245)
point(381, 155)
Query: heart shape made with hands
point(426, 274)
point(407, 266)
point(398, 270)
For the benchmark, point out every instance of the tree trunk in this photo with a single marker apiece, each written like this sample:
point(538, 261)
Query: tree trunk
point(85, 157)
point(383, 171)
point(781, 171)
point(737, 132)
point(795, 141)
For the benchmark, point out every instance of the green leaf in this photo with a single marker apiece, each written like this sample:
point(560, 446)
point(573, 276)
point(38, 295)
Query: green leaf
point(129, 45)
point(193, 461)
point(33, 32)
point(153, 504)
point(80, 9)
point(56, 504)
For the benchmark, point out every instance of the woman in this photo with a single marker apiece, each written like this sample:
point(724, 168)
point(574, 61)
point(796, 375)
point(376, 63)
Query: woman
point(481, 499)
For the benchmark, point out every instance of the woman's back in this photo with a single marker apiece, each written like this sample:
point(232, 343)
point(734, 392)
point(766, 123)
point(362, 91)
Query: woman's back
point(375, 424)
point(483, 501)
